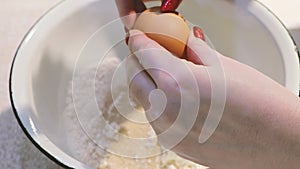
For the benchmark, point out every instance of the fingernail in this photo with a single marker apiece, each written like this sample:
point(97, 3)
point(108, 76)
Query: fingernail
point(198, 33)
point(169, 5)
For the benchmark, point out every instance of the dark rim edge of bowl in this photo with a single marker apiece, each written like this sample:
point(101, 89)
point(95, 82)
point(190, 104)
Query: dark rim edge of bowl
point(51, 157)
point(289, 33)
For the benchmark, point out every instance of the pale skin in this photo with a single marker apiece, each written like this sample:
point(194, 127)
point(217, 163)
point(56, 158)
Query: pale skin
point(260, 126)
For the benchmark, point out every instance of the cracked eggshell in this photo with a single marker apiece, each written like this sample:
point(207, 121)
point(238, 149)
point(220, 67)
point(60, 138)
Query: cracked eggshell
point(170, 30)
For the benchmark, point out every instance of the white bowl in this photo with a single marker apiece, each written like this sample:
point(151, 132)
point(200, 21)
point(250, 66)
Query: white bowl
point(45, 61)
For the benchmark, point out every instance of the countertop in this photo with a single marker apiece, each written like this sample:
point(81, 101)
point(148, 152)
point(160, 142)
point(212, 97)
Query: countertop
point(17, 16)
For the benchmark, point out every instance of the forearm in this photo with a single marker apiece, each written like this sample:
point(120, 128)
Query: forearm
point(276, 131)
point(262, 120)
point(281, 118)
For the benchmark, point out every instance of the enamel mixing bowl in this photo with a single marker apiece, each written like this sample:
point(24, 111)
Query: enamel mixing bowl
point(45, 61)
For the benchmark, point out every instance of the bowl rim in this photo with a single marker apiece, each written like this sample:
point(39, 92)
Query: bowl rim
point(296, 48)
point(11, 91)
point(44, 15)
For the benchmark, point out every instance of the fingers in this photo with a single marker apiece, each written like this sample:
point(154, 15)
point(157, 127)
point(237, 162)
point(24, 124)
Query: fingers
point(128, 10)
point(140, 6)
point(192, 56)
point(140, 83)
point(143, 88)
point(126, 7)
point(198, 51)
point(153, 57)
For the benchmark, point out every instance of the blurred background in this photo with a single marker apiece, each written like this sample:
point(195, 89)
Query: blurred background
point(17, 16)
point(288, 12)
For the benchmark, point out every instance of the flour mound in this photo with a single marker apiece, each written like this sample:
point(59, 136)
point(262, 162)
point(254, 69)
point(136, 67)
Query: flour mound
point(96, 142)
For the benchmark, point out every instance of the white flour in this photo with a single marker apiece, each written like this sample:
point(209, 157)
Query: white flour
point(85, 149)
point(82, 146)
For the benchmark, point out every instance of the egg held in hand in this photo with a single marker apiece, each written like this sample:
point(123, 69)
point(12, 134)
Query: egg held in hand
point(170, 30)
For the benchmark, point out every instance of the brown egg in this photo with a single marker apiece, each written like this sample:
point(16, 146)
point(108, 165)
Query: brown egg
point(170, 30)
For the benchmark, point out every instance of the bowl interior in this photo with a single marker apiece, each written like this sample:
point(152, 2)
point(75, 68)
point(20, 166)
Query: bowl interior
point(76, 35)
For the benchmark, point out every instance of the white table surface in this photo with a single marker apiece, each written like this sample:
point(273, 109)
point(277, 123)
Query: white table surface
point(17, 16)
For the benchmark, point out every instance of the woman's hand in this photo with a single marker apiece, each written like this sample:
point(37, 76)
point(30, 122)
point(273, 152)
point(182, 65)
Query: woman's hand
point(128, 9)
point(259, 125)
